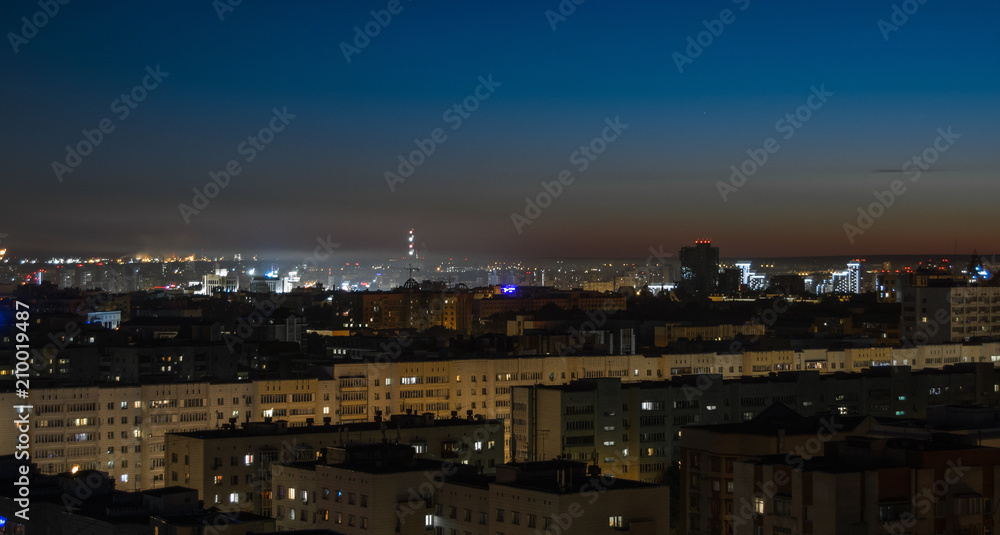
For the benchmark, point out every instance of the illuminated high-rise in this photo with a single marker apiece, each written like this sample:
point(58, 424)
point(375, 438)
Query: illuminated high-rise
point(745, 272)
point(854, 277)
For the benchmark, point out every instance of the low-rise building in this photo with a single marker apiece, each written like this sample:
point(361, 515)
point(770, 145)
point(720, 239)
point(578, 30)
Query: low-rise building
point(87, 501)
point(382, 489)
point(870, 485)
point(708, 455)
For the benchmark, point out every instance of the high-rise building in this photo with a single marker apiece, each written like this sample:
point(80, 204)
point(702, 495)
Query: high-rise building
point(854, 277)
point(939, 314)
point(700, 268)
point(745, 272)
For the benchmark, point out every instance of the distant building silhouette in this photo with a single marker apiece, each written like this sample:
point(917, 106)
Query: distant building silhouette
point(700, 268)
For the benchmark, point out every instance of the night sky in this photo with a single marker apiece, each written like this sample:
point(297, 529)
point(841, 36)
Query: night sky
point(657, 183)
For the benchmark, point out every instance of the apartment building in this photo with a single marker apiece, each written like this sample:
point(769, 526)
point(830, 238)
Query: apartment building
point(383, 489)
point(231, 467)
point(626, 430)
point(634, 430)
point(870, 486)
point(949, 313)
point(708, 455)
point(120, 428)
point(87, 502)
point(664, 335)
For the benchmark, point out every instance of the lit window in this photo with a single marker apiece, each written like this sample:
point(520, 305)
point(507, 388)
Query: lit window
point(615, 521)
point(758, 505)
point(247, 459)
point(234, 497)
point(478, 446)
point(291, 493)
point(428, 521)
point(124, 477)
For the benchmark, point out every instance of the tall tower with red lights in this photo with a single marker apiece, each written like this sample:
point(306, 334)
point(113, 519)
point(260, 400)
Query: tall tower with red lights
point(412, 247)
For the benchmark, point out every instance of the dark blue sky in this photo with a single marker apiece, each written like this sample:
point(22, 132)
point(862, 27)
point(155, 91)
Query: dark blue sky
point(658, 183)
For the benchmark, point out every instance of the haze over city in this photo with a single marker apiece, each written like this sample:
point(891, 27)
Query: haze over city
point(555, 80)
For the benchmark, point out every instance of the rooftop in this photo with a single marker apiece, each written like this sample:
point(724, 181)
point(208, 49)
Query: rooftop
point(280, 427)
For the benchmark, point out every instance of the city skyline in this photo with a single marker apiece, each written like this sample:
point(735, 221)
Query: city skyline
point(671, 123)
